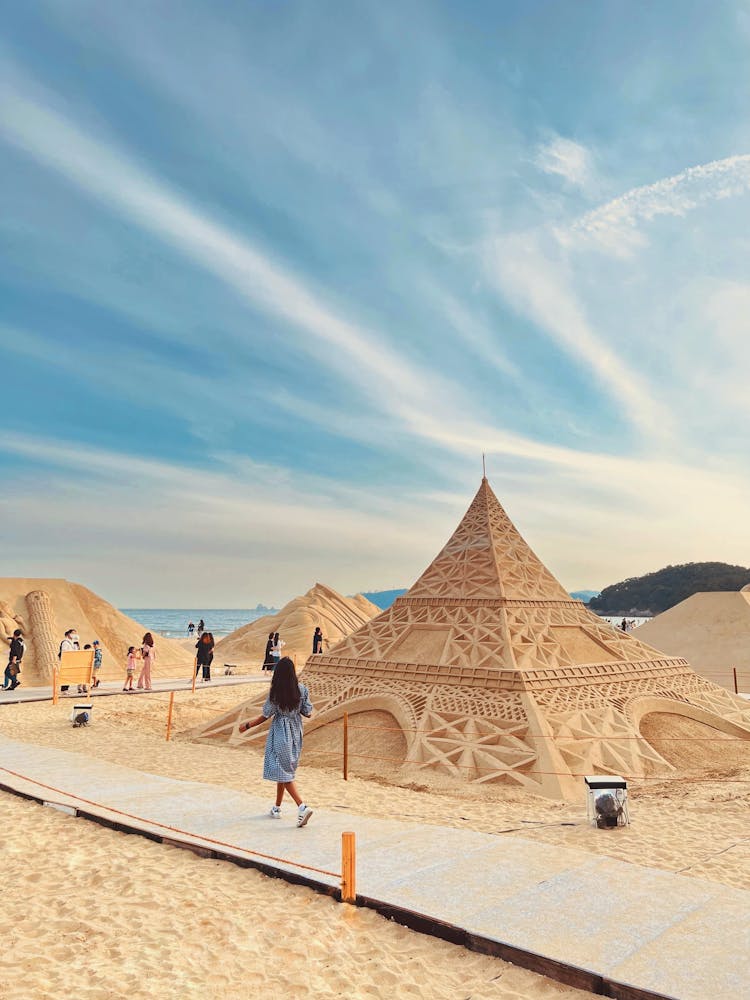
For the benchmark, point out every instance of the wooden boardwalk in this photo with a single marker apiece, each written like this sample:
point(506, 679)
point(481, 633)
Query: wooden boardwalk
point(617, 929)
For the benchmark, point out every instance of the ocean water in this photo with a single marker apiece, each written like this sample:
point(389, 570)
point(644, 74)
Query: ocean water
point(173, 622)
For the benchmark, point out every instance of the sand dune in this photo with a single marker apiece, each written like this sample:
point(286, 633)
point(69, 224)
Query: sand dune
point(46, 608)
point(711, 630)
point(338, 616)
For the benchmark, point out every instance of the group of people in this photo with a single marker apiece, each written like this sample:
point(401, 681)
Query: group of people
point(274, 645)
point(192, 628)
point(71, 642)
point(288, 701)
point(147, 655)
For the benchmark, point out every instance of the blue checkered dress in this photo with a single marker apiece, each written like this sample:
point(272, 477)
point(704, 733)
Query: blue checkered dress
point(284, 743)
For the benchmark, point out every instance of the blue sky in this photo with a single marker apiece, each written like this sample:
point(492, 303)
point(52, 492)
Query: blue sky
point(275, 275)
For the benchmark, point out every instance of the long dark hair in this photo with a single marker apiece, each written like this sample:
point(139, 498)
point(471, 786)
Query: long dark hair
point(207, 638)
point(285, 693)
point(148, 639)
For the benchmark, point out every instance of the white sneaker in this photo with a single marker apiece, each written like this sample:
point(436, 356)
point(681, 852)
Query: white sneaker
point(303, 814)
point(275, 812)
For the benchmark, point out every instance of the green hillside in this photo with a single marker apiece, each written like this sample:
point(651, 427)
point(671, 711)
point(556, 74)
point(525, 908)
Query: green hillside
point(655, 592)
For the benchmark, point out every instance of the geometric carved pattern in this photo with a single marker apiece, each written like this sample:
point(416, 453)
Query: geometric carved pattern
point(496, 675)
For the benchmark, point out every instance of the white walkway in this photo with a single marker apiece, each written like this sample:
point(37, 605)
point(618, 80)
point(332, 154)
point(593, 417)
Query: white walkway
point(614, 928)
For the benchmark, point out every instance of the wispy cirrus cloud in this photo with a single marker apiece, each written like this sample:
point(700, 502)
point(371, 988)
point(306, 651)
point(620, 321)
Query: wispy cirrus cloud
point(109, 175)
point(538, 285)
point(567, 159)
point(616, 227)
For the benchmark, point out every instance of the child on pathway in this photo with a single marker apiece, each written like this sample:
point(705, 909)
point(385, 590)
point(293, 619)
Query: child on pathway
point(287, 702)
point(130, 669)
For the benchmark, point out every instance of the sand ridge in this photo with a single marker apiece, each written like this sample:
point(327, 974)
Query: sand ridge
point(322, 606)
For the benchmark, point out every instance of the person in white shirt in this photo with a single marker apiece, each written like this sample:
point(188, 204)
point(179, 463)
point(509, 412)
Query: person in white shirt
point(278, 645)
point(69, 643)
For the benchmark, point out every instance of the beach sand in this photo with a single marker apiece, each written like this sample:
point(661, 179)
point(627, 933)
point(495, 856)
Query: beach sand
point(105, 912)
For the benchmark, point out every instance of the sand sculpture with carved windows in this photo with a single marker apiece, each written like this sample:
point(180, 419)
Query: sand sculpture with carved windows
point(491, 673)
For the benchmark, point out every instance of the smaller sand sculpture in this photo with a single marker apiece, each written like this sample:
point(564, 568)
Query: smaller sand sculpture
point(45, 608)
point(711, 630)
point(337, 616)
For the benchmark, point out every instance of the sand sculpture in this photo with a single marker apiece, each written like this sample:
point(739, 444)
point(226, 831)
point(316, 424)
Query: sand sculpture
point(494, 674)
point(45, 608)
point(338, 616)
point(711, 630)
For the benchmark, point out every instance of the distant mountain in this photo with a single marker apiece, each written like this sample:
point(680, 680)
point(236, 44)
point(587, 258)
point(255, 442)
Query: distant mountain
point(656, 592)
point(584, 595)
point(383, 598)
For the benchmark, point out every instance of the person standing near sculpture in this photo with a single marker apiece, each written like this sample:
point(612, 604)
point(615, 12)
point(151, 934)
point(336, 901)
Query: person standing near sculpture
point(268, 656)
point(287, 702)
point(278, 645)
point(98, 657)
point(68, 645)
point(148, 655)
point(205, 655)
point(15, 655)
point(317, 640)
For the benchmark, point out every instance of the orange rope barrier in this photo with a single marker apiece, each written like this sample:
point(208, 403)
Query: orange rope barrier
point(172, 829)
point(609, 739)
point(562, 774)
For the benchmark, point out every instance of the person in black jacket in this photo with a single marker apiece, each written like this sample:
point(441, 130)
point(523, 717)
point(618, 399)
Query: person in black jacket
point(205, 655)
point(317, 640)
point(15, 655)
point(268, 660)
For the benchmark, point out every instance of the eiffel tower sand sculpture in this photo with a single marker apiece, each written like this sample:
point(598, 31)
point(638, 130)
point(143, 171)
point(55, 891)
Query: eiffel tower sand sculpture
point(494, 674)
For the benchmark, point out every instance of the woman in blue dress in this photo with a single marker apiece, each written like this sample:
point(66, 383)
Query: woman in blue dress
point(287, 702)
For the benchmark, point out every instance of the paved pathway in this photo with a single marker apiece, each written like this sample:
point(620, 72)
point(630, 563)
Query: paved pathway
point(24, 694)
point(615, 928)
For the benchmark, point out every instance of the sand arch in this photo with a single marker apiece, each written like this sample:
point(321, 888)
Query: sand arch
point(688, 737)
point(642, 707)
point(691, 744)
point(377, 742)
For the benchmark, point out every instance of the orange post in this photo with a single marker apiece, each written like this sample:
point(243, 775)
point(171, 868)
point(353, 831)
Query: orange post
point(169, 714)
point(54, 685)
point(348, 868)
point(195, 672)
point(734, 671)
point(346, 746)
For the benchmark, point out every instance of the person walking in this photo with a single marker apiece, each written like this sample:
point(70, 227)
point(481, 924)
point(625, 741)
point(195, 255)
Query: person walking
point(191, 629)
point(15, 655)
point(287, 702)
point(278, 645)
point(317, 640)
point(148, 655)
point(201, 626)
point(205, 655)
point(130, 669)
point(268, 657)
